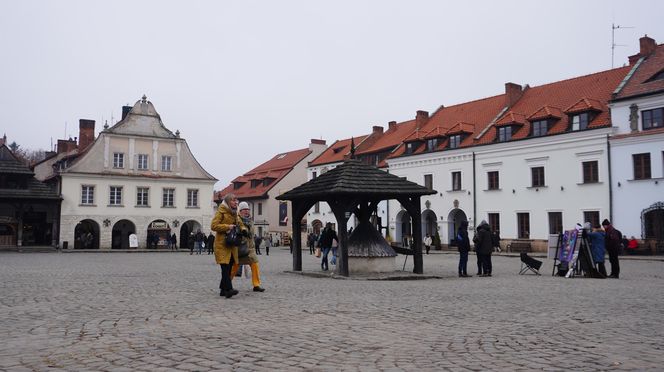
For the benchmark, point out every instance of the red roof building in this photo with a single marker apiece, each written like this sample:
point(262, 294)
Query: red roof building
point(261, 185)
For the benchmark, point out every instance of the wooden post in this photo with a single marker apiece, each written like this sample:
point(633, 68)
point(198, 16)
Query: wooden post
point(296, 240)
point(412, 206)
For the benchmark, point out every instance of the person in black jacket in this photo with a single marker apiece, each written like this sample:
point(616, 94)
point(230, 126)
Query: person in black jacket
point(463, 243)
point(209, 243)
point(483, 247)
point(325, 242)
point(613, 241)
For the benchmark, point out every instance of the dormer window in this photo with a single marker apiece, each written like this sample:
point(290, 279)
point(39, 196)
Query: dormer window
point(504, 133)
point(455, 141)
point(653, 118)
point(580, 121)
point(411, 147)
point(432, 143)
point(540, 128)
point(267, 181)
point(255, 183)
point(338, 149)
point(281, 156)
point(237, 185)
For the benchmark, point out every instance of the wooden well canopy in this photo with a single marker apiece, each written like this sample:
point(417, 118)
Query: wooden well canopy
point(354, 188)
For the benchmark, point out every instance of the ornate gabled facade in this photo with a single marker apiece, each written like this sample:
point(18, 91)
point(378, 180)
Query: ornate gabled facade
point(137, 177)
point(637, 149)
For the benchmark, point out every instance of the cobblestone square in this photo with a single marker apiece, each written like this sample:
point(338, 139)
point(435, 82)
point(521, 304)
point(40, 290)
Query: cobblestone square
point(162, 311)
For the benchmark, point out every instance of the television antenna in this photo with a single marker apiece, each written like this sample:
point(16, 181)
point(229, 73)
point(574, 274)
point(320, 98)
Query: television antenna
point(615, 27)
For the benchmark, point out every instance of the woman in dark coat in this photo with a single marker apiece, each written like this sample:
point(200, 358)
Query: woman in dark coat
point(483, 247)
point(463, 243)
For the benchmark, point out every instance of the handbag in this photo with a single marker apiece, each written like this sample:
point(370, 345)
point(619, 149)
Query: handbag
point(233, 238)
point(317, 253)
point(243, 250)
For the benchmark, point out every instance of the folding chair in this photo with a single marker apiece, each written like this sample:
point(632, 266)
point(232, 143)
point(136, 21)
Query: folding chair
point(529, 264)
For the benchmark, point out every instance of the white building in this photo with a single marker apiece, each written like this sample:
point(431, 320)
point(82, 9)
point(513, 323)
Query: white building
point(137, 177)
point(637, 150)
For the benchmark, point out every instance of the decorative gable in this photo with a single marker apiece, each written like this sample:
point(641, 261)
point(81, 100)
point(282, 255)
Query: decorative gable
point(584, 105)
point(512, 118)
point(546, 112)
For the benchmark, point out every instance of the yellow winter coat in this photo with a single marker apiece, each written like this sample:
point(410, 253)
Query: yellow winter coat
point(221, 224)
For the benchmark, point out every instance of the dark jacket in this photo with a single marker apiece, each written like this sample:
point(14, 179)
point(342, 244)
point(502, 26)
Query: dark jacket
point(463, 243)
point(482, 239)
point(613, 239)
point(326, 238)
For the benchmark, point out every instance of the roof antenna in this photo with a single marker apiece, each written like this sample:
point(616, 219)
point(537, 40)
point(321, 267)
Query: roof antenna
point(615, 27)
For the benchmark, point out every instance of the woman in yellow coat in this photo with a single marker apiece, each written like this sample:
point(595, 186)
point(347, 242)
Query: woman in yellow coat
point(224, 220)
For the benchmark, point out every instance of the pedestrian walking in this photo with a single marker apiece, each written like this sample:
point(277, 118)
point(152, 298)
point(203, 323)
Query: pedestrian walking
point(257, 243)
point(495, 240)
point(268, 244)
point(199, 238)
point(226, 255)
point(209, 243)
point(427, 243)
point(173, 242)
point(326, 238)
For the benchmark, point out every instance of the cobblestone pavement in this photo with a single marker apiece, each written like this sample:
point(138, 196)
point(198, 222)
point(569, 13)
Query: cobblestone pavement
point(158, 312)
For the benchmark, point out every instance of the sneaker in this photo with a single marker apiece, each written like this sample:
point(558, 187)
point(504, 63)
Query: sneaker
point(259, 289)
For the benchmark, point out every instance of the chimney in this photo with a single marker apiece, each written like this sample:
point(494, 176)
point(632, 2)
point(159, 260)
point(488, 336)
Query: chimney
point(317, 141)
point(86, 133)
point(512, 94)
point(377, 129)
point(65, 146)
point(317, 144)
point(648, 45)
point(125, 111)
point(421, 119)
point(391, 125)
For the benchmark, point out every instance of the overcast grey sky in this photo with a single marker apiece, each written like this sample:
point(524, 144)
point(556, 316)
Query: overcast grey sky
point(246, 80)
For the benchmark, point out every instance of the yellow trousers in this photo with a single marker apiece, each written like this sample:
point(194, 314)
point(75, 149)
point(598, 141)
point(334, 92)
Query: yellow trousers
point(255, 274)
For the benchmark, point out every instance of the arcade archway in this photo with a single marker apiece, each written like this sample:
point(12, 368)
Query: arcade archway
point(403, 227)
point(454, 220)
point(316, 226)
point(186, 231)
point(158, 234)
point(429, 223)
point(120, 234)
point(86, 235)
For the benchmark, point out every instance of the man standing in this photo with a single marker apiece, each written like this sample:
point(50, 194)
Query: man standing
point(613, 241)
point(198, 241)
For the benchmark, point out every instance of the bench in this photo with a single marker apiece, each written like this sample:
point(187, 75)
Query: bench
point(519, 246)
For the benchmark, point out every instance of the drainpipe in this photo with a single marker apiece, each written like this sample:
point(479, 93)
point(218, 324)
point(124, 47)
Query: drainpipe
point(608, 154)
point(474, 195)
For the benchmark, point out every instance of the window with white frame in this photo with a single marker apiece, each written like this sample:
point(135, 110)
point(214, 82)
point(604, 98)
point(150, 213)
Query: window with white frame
point(87, 194)
point(493, 180)
point(142, 196)
point(115, 195)
point(192, 198)
point(537, 176)
point(118, 160)
point(580, 121)
point(166, 163)
point(168, 198)
point(504, 134)
point(523, 225)
point(142, 161)
point(455, 141)
point(540, 128)
point(653, 118)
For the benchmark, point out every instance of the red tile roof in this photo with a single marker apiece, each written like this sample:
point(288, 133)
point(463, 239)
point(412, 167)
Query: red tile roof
point(642, 133)
point(337, 151)
point(546, 100)
point(391, 138)
point(470, 117)
point(274, 169)
point(641, 82)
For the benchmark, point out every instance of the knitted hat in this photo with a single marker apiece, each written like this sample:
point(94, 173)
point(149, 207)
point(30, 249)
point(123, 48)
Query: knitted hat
point(243, 205)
